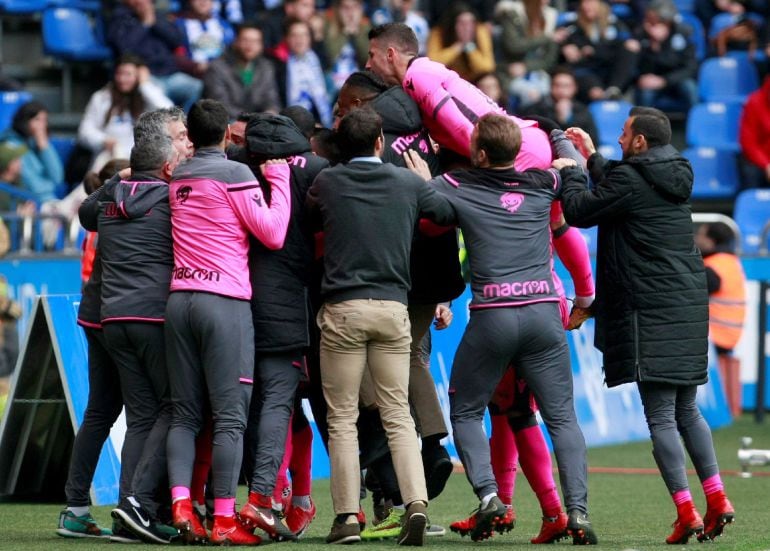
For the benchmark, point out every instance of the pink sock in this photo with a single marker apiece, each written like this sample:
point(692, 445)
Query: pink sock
point(713, 484)
point(573, 252)
point(180, 492)
point(281, 481)
point(224, 506)
point(536, 463)
point(681, 496)
point(301, 461)
point(502, 447)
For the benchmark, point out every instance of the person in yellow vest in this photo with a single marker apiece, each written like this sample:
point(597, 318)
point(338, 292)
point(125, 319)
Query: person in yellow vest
point(727, 303)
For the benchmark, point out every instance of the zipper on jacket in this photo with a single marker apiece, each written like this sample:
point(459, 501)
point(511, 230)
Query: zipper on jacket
point(635, 327)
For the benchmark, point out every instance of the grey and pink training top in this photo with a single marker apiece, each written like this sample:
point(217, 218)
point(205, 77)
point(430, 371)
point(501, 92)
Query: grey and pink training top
point(215, 204)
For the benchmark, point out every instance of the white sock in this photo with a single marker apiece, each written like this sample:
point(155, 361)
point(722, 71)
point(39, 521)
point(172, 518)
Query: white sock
point(486, 499)
point(78, 511)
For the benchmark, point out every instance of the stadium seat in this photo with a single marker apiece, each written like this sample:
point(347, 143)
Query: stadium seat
point(71, 36)
point(610, 151)
point(64, 146)
point(609, 117)
point(698, 36)
point(22, 7)
point(728, 78)
point(685, 6)
point(715, 125)
point(752, 214)
point(716, 173)
point(9, 103)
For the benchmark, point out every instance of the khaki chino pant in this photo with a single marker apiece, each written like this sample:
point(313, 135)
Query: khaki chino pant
point(356, 334)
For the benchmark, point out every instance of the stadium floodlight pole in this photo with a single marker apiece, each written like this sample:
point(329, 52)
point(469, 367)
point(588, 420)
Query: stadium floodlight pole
point(759, 412)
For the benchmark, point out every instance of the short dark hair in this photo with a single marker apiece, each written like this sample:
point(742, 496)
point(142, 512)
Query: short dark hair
point(130, 59)
point(303, 118)
point(207, 123)
point(366, 81)
point(563, 70)
point(358, 131)
point(24, 114)
point(500, 137)
point(248, 25)
point(651, 123)
point(149, 153)
point(289, 22)
point(397, 35)
point(720, 233)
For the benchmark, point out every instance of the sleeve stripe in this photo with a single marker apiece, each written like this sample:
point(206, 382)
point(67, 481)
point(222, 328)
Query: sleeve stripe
point(242, 188)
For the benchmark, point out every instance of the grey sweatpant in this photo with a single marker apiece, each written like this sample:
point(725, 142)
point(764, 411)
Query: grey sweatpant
point(532, 338)
point(210, 343)
point(277, 376)
point(671, 412)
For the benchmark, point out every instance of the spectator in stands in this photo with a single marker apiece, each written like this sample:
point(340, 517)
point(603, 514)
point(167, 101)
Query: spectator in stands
point(243, 79)
point(107, 127)
point(301, 78)
point(754, 137)
point(135, 28)
point(346, 39)
point(562, 106)
point(273, 24)
point(42, 172)
point(436, 9)
point(205, 34)
point(594, 48)
point(229, 10)
point(726, 284)
point(666, 66)
point(462, 43)
point(10, 169)
point(528, 48)
point(403, 11)
point(490, 84)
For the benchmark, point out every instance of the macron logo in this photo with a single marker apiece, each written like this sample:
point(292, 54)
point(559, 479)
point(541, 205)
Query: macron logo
point(511, 201)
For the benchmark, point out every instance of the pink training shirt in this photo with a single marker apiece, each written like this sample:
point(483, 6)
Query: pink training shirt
point(215, 204)
point(450, 106)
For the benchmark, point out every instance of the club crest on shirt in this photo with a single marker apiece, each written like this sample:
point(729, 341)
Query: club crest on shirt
point(511, 201)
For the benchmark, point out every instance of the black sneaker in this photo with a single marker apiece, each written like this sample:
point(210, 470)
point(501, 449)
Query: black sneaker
point(581, 529)
point(138, 521)
point(414, 524)
point(344, 532)
point(438, 468)
point(486, 519)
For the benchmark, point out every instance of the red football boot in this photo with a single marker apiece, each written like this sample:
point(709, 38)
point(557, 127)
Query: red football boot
point(187, 522)
point(719, 512)
point(298, 519)
point(228, 531)
point(688, 523)
point(553, 529)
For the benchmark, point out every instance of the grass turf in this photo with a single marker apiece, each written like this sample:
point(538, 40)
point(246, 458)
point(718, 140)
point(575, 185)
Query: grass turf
point(629, 511)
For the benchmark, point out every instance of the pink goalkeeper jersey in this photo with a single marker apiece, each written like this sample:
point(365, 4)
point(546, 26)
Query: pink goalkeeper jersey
point(215, 204)
point(450, 106)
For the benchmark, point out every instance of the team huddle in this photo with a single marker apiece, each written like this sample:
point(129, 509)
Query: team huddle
point(244, 267)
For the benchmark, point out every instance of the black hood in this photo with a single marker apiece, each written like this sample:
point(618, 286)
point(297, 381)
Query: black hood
point(666, 171)
point(400, 114)
point(271, 136)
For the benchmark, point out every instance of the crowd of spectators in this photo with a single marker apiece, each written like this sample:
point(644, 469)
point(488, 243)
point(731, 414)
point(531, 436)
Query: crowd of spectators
point(533, 57)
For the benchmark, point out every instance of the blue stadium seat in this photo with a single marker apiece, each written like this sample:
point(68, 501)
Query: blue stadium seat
point(9, 103)
point(610, 151)
point(70, 35)
point(685, 6)
point(752, 214)
point(698, 37)
point(716, 173)
point(609, 117)
point(714, 124)
point(728, 78)
point(22, 7)
point(63, 146)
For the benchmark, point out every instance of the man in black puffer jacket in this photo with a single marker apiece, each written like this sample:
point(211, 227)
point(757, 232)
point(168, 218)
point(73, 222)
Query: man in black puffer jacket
point(282, 315)
point(651, 301)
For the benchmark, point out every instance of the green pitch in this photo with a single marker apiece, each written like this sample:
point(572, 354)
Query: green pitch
point(629, 511)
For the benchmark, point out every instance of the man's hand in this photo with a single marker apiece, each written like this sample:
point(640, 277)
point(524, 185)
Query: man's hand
point(558, 164)
point(582, 140)
point(271, 162)
point(417, 164)
point(442, 317)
